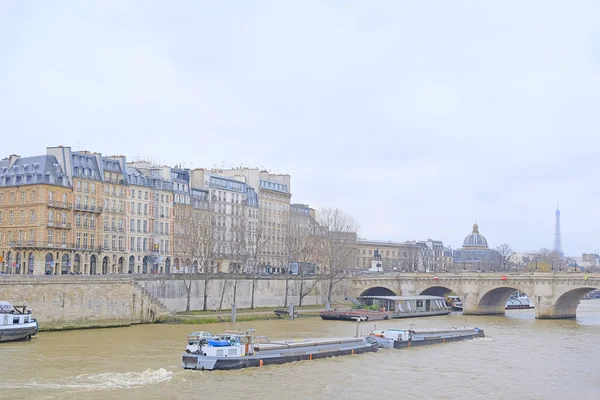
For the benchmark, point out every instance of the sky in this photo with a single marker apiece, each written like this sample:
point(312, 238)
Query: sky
point(416, 118)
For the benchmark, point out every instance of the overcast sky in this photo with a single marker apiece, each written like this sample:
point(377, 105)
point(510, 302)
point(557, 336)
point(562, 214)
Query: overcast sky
point(415, 118)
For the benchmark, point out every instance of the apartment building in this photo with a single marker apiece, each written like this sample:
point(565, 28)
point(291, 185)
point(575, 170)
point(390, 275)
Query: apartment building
point(140, 237)
point(114, 215)
point(35, 215)
point(228, 205)
point(274, 195)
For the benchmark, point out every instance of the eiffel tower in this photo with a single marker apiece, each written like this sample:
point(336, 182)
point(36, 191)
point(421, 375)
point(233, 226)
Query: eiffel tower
point(557, 240)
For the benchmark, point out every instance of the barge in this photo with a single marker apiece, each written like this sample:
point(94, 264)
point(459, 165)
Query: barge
point(353, 315)
point(16, 324)
point(409, 306)
point(403, 338)
point(237, 350)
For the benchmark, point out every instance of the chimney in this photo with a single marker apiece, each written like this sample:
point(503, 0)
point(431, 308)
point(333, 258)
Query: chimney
point(12, 159)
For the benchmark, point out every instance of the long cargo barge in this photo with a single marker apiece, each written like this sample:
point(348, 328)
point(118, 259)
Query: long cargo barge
point(404, 338)
point(237, 350)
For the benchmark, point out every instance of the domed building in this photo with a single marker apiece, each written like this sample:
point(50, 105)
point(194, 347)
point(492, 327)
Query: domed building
point(475, 241)
point(475, 253)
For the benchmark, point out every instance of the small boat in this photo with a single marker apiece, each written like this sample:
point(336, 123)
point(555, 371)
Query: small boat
point(284, 313)
point(409, 306)
point(402, 338)
point(353, 315)
point(236, 350)
point(518, 302)
point(16, 324)
point(455, 303)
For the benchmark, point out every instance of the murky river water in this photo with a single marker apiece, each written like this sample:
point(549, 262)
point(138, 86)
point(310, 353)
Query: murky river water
point(521, 358)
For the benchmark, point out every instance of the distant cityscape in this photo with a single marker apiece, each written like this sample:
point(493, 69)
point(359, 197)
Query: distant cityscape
point(79, 212)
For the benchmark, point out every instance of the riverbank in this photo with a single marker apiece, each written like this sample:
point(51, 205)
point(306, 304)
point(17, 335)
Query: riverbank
point(242, 315)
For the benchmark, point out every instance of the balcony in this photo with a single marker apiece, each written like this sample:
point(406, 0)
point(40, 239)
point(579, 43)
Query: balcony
point(63, 205)
point(32, 244)
point(87, 208)
point(87, 248)
point(59, 225)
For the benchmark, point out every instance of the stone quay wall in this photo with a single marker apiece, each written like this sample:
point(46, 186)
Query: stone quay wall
point(83, 301)
point(269, 291)
point(69, 302)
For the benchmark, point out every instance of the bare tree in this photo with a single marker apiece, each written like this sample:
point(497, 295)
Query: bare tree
point(189, 232)
point(212, 239)
point(337, 241)
point(503, 257)
point(306, 266)
point(410, 258)
point(257, 241)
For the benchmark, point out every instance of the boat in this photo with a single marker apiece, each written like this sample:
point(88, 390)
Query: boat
point(353, 315)
point(237, 350)
point(16, 324)
point(409, 306)
point(284, 313)
point(454, 302)
point(518, 301)
point(402, 338)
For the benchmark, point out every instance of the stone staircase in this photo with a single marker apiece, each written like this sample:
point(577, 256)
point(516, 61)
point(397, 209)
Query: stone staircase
point(151, 300)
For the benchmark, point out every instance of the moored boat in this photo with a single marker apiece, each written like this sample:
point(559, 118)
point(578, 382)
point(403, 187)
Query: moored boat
point(16, 324)
point(402, 338)
point(236, 350)
point(455, 303)
point(409, 306)
point(353, 315)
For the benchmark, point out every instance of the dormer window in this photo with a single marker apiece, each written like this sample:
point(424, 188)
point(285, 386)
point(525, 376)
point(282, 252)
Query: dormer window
point(51, 178)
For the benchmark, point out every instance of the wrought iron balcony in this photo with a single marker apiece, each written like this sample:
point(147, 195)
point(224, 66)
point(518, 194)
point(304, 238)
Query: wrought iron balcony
point(59, 225)
point(59, 204)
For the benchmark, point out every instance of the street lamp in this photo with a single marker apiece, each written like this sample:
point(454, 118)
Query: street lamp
point(552, 264)
point(536, 263)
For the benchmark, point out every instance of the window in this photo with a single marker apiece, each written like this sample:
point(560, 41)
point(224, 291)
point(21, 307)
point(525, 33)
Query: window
point(132, 225)
point(166, 247)
point(2, 197)
point(78, 220)
point(131, 244)
point(121, 243)
point(78, 201)
point(22, 219)
point(1, 217)
point(139, 225)
point(33, 197)
point(145, 226)
point(113, 223)
point(31, 236)
point(139, 247)
point(145, 209)
point(105, 242)
point(161, 229)
point(65, 198)
point(105, 223)
point(63, 218)
point(85, 240)
point(78, 240)
point(114, 242)
point(92, 222)
point(22, 196)
point(85, 221)
point(50, 216)
point(145, 248)
point(92, 240)
point(93, 188)
point(63, 238)
point(166, 228)
point(139, 194)
point(50, 241)
point(139, 208)
point(85, 187)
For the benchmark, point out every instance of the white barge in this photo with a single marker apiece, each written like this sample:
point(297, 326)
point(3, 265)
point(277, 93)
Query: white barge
point(408, 306)
point(403, 338)
point(236, 350)
point(16, 324)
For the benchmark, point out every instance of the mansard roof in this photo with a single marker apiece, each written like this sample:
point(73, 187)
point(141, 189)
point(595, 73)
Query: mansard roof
point(31, 171)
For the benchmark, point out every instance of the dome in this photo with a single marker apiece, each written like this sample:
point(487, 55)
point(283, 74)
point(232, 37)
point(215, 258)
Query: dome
point(475, 240)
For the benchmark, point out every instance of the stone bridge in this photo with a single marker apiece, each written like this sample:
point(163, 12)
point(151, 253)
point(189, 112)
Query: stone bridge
point(554, 295)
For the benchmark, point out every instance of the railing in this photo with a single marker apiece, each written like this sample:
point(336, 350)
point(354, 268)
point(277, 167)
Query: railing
point(59, 204)
point(88, 208)
point(59, 225)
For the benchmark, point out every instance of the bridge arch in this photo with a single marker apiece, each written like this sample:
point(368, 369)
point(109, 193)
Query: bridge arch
point(566, 304)
point(494, 300)
point(378, 291)
point(441, 291)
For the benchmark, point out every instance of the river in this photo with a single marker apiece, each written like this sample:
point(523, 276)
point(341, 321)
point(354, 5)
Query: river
point(520, 358)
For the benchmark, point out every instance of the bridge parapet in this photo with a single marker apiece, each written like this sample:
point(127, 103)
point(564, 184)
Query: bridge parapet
point(554, 295)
